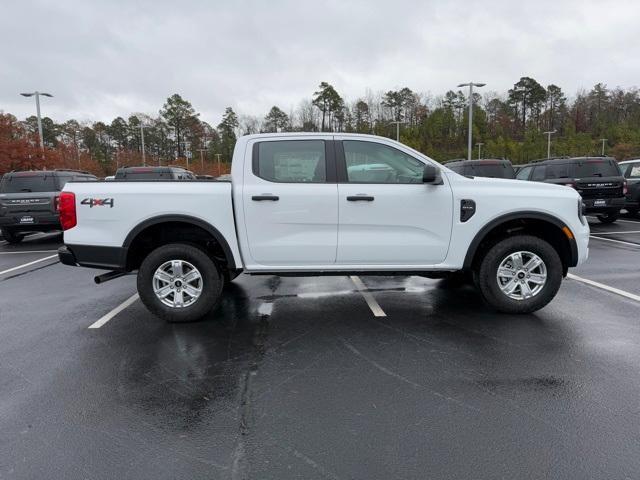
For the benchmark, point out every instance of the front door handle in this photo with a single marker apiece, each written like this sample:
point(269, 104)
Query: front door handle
point(360, 198)
point(262, 198)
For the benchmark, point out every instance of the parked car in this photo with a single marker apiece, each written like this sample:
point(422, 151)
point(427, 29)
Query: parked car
point(137, 174)
point(492, 168)
point(29, 201)
point(597, 179)
point(295, 206)
point(631, 171)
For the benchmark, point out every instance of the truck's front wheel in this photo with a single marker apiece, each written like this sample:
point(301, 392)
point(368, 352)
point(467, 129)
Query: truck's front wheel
point(520, 274)
point(179, 283)
point(12, 237)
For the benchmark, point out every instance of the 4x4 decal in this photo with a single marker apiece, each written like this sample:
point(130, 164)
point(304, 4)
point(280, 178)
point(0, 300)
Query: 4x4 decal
point(97, 202)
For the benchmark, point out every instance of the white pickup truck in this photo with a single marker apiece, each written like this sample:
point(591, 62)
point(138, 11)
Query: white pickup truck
point(325, 204)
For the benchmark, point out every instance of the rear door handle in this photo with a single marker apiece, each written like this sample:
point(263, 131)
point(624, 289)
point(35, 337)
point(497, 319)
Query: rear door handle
point(360, 198)
point(262, 198)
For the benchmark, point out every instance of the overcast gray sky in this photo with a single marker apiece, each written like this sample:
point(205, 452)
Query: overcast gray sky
point(105, 58)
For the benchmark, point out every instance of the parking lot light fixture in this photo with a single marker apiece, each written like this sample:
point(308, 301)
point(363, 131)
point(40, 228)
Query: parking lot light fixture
point(548, 134)
point(37, 95)
point(470, 85)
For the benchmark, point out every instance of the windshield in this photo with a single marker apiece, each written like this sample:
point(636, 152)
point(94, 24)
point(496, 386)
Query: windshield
point(28, 183)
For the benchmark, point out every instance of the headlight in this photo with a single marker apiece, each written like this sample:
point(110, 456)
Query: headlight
point(581, 208)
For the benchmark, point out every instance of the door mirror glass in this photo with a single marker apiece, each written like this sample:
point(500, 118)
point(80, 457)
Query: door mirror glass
point(430, 174)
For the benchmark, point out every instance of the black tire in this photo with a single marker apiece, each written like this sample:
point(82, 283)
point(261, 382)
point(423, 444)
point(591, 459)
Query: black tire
point(609, 217)
point(487, 282)
point(212, 283)
point(12, 237)
point(632, 211)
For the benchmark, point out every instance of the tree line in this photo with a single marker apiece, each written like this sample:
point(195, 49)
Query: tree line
point(509, 125)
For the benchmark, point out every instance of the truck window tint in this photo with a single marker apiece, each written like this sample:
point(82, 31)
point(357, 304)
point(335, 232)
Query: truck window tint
point(369, 162)
point(292, 161)
point(28, 183)
point(538, 173)
point(634, 171)
point(597, 168)
point(492, 170)
point(523, 173)
point(559, 170)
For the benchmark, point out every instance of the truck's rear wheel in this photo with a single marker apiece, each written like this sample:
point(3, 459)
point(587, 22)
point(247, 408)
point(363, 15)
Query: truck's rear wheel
point(12, 237)
point(520, 274)
point(179, 283)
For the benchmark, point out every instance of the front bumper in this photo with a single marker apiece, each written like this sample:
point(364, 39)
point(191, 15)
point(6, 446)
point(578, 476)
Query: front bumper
point(581, 236)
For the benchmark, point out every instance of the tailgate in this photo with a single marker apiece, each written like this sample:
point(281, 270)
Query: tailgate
point(598, 187)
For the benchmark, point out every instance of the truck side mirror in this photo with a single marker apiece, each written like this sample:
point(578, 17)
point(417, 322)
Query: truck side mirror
point(431, 175)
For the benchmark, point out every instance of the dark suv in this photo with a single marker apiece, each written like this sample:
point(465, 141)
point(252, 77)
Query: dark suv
point(29, 200)
point(631, 171)
point(597, 179)
point(492, 168)
point(153, 173)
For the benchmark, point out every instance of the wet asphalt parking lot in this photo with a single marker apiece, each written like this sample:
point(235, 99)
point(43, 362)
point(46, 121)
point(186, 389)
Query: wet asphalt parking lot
point(330, 377)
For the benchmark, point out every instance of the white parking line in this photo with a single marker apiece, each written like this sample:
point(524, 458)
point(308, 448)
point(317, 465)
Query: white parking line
point(617, 291)
point(28, 264)
point(618, 220)
point(115, 311)
point(27, 251)
point(616, 233)
point(615, 241)
point(373, 305)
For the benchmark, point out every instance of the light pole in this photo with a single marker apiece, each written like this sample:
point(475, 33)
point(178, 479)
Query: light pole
point(218, 157)
point(397, 123)
point(470, 85)
point(37, 95)
point(144, 158)
point(202, 150)
point(548, 134)
point(479, 145)
point(603, 140)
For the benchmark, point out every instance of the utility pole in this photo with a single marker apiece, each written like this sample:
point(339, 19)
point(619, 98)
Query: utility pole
point(479, 144)
point(470, 85)
point(603, 140)
point(202, 150)
point(144, 159)
point(37, 95)
point(548, 134)
point(218, 156)
point(397, 123)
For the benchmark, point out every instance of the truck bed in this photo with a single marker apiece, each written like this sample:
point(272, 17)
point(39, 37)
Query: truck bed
point(110, 211)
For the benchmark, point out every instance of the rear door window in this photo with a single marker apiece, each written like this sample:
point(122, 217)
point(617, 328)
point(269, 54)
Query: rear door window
point(633, 171)
point(523, 173)
point(559, 170)
point(538, 173)
point(291, 161)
